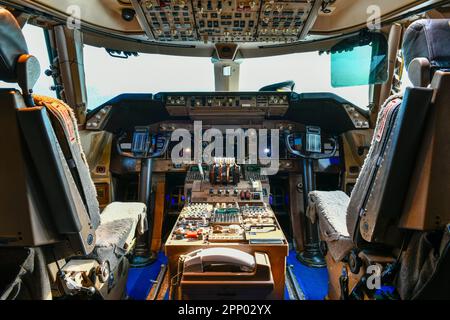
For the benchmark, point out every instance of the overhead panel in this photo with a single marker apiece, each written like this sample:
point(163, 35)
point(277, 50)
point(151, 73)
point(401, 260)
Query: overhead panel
point(226, 21)
point(282, 20)
point(171, 20)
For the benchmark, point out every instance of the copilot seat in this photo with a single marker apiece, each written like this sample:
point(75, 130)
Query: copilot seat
point(400, 202)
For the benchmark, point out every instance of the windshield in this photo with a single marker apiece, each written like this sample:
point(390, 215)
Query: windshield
point(310, 71)
point(107, 77)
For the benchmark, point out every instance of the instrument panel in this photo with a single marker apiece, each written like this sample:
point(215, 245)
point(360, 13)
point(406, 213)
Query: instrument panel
point(225, 21)
point(184, 104)
point(328, 111)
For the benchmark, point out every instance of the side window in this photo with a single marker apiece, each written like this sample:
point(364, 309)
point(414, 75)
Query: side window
point(37, 47)
point(405, 80)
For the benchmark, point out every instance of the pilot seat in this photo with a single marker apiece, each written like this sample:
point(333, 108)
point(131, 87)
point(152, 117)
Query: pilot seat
point(54, 242)
point(397, 216)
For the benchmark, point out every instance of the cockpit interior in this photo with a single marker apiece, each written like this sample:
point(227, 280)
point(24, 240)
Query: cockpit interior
point(224, 150)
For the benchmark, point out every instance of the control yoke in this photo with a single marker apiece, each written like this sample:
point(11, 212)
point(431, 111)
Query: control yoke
point(142, 145)
point(145, 147)
point(310, 154)
point(312, 255)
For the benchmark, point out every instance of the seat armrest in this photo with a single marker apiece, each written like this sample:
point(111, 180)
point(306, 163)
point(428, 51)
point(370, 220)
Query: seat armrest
point(330, 206)
point(124, 210)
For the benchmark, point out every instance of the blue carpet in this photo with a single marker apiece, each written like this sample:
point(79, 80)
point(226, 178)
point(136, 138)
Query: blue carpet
point(312, 281)
point(140, 280)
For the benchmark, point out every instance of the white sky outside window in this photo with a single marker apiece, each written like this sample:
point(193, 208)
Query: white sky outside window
point(405, 81)
point(310, 72)
point(107, 77)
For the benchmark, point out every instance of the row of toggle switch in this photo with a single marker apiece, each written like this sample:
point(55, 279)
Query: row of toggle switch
point(241, 194)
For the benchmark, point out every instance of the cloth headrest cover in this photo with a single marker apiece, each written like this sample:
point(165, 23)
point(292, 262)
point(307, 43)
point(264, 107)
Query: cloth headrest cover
point(428, 39)
point(12, 46)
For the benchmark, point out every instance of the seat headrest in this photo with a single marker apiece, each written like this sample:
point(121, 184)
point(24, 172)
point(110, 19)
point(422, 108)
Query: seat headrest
point(426, 48)
point(12, 46)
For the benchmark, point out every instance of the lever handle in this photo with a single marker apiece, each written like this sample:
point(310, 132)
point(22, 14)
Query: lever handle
point(314, 156)
point(146, 156)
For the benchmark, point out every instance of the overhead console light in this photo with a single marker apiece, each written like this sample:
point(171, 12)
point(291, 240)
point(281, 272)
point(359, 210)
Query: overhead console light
point(128, 14)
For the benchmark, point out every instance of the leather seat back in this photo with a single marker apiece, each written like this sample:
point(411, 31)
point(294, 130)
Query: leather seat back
point(65, 126)
point(427, 205)
point(13, 45)
point(379, 193)
point(40, 202)
point(399, 160)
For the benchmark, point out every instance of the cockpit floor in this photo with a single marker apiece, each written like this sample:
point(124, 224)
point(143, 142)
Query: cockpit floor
point(312, 281)
point(141, 280)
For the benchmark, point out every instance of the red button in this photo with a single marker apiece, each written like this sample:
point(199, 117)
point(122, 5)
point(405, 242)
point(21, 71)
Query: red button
point(191, 234)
